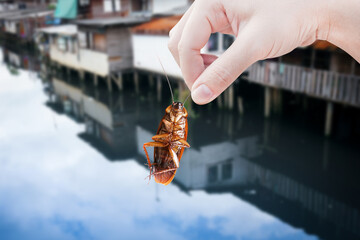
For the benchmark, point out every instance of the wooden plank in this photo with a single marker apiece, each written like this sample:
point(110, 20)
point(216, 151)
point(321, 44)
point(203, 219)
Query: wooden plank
point(335, 91)
point(348, 89)
point(313, 82)
point(358, 91)
point(341, 87)
point(319, 83)
point(325, 82)
point(355, 84)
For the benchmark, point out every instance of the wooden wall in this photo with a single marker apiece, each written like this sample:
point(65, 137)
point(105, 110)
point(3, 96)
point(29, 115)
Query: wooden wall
point(119, 48)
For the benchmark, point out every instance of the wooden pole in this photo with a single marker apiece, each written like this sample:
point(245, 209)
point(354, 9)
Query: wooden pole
point(231, 97)
point(96, 80)
point(151, 81)
point(267, 102)
point(240, 105)
point(109, 83)
point(328, 118)
point(219, 100)
point(158, 87)
point(120, 81)
point(136, 81)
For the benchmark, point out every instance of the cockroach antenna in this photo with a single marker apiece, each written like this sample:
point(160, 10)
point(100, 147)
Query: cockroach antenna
point(186, 98)
point(172, 95)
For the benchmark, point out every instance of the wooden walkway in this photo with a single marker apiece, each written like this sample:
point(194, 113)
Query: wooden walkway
point(327, 85)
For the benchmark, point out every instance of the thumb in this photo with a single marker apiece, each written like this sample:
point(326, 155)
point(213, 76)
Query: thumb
point(225, 69)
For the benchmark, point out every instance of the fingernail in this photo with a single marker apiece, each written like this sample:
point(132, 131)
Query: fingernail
point(201, 94)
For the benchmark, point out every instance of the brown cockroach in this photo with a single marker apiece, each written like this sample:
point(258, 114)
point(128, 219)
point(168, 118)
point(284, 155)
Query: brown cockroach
point(169, 142)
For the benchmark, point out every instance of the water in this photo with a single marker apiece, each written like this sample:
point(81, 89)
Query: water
point(73, 168)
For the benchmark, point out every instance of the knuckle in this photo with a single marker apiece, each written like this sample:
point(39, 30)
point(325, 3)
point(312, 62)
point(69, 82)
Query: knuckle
point(221, 76)
point(181, 47)
point(172, 45)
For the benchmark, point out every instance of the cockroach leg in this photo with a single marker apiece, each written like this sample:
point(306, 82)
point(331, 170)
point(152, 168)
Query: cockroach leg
point(180, 142)
point(185, 113)
point(161, 137)
point(152, 144)
point(183, 143)
point(165, 170)
point(168, 125)
point(168, 109)
point(174, 157)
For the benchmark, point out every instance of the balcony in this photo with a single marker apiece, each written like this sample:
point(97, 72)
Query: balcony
point(329, 85)
point(66, 58)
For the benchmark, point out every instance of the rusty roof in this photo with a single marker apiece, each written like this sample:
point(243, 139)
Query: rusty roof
point(160, 26)
point(324, 45)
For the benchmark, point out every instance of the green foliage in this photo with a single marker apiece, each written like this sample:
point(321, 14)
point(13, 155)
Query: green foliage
point(13, 70)
point(52, 6)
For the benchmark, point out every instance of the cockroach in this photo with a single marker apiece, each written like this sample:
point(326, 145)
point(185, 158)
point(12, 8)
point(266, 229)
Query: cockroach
point(169, 142)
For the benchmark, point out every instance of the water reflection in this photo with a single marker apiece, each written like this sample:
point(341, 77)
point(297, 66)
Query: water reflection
point(243, 178)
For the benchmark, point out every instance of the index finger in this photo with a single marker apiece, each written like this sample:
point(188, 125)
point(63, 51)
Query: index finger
point(196, 34)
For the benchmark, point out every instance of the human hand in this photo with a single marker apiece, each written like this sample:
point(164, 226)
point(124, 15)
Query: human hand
point(263, 29)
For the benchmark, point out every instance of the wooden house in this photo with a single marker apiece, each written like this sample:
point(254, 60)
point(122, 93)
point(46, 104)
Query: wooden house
point(105, 46)
point(60, 44)
point(11, 5)
point(24, 24)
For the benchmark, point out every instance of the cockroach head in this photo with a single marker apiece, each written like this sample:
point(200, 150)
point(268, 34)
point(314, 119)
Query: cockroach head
point(178, 106)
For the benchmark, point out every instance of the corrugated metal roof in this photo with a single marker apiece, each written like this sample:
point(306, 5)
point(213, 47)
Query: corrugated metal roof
point(35, 13)
point(103, 22)
point(67, 30)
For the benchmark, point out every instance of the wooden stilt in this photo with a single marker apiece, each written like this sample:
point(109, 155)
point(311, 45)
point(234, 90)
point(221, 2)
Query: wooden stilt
point(109, 83)
point(151, 81)
point(219, 100)
point(96, 80)
point(136, 82)
point(159, 87)
point(119, 81)
point(267, 102)
point(231, 97)
point(240, 105)
point(328, 118)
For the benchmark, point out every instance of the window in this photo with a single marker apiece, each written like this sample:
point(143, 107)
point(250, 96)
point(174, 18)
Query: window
point(213, 174)
point(117, 6)
point(227, 41)
point(226, 171)
point(72, 45)
point(213, 43)
point(61, 44)
point(112, 6)
point(82, 39)
point(108, 6)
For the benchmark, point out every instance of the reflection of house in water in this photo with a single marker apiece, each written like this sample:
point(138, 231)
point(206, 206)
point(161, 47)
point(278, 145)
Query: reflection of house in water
point(109, 121)
point(21, 58)
point(322, 204)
